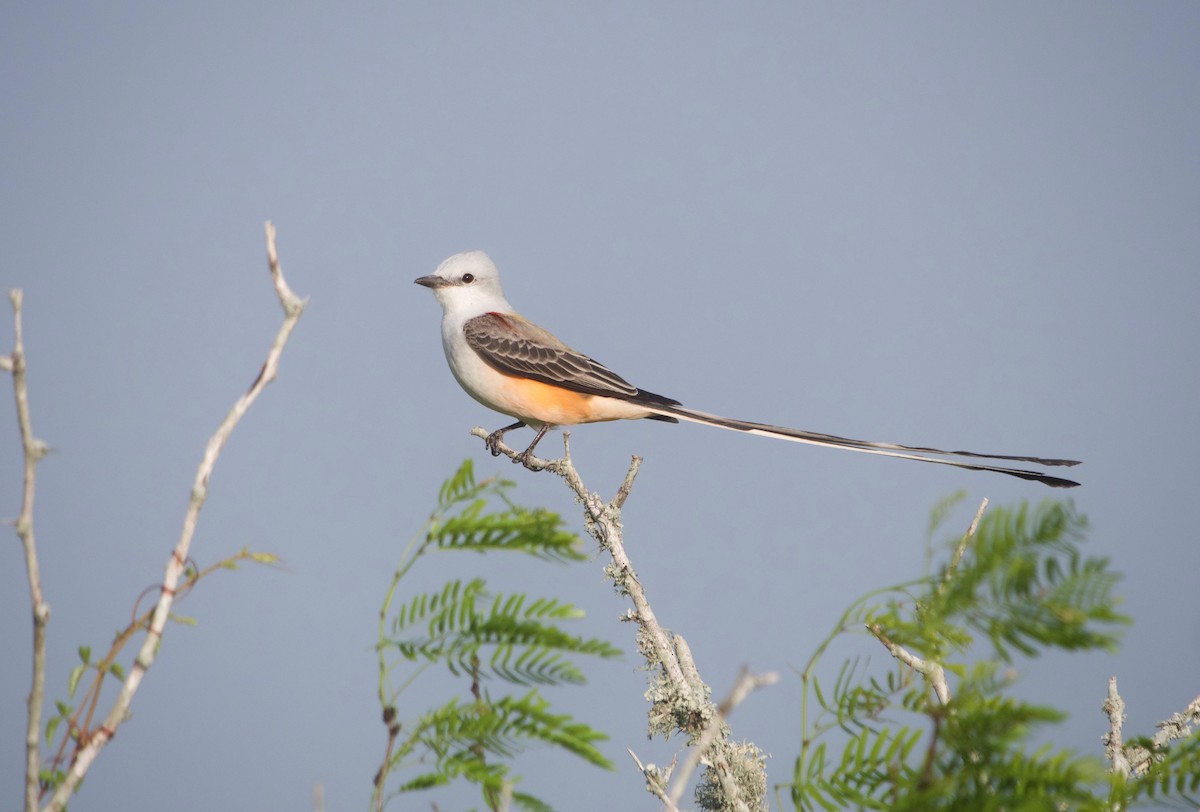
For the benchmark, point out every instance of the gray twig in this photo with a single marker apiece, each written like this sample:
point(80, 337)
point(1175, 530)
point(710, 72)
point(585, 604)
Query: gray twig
point(961, 549)
point(34, 449)
point(656, 780)
point(935, 675)
point(293, 308)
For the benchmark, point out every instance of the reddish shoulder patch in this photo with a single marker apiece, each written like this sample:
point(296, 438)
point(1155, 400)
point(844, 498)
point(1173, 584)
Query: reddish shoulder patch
point(501, 317)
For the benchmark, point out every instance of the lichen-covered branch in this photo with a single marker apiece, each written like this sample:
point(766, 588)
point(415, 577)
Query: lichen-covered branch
point(1178, 726)
point(1114, 745)
point(293, 308)
point(735, 777)
point(1134, 760)
point(745, 685)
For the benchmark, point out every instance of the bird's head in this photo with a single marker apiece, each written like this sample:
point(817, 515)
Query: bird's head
point(467, 284)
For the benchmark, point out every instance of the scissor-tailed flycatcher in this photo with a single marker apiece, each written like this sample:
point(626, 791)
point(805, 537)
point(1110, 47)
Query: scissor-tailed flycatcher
point(511, 365)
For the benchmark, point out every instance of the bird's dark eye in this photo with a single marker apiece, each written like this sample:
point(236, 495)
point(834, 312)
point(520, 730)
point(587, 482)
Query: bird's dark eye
point(468, 278)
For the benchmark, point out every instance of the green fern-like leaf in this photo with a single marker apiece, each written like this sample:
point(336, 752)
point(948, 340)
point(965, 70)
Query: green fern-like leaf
point(873, 764)
point(538, 533)
point(1022, 586)
point(425, 781)
point(503, 728)
point(526, 647)
point(458, 486)
point(513, 638)
point(531, 715)
point(530, 803)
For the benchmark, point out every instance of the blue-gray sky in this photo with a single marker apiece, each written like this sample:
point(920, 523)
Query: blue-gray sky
point(961, 225)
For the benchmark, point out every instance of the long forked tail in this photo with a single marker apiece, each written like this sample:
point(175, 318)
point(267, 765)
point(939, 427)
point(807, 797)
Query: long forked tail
point(904, 452)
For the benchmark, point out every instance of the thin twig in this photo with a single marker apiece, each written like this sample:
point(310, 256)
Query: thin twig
point(961, 549)
point(34, 449)
point(393, 730)
point(618, 501)
point(293, 308)
point(655, 780)
point(934, 674)
point(79, 722)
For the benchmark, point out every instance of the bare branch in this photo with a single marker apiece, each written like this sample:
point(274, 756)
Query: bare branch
point(34, 449)
point(618, 501)
point(656, 781)
point(79, 722)
point(935, 675)
point(293, 308)
point(961, 549)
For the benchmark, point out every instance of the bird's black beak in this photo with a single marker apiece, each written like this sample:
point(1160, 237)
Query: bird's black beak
point(433, 282)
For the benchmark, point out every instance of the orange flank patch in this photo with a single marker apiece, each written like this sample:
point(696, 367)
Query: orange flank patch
point(537, 402)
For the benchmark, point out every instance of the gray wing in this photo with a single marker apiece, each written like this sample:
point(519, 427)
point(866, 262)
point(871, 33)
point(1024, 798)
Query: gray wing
point(515, 346)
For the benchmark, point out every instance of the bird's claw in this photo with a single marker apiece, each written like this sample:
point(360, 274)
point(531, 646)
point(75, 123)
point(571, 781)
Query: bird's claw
point(492, 442)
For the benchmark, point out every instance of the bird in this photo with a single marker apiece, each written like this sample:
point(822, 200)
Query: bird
point(513, 366)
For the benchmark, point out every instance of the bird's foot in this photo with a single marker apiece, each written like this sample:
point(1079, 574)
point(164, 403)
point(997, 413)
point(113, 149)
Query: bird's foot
point(492, 442)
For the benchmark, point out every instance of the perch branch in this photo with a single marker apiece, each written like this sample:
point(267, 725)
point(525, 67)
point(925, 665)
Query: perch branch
point(680, 699)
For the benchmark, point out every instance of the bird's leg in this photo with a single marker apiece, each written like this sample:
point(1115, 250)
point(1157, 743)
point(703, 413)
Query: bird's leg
point(524, 456)
point(492, 443)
